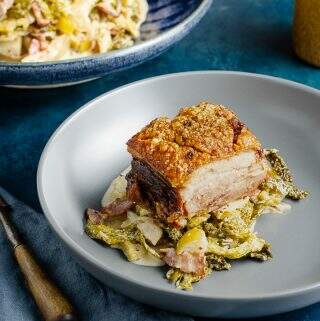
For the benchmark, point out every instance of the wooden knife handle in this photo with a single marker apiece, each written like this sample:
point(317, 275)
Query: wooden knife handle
point(49, 299)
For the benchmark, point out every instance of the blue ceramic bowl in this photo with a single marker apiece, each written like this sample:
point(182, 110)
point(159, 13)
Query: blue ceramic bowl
point(168, 21)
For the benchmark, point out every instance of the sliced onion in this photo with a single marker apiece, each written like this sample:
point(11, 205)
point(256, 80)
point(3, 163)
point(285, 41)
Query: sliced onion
point(117, 188)
point(150, 231)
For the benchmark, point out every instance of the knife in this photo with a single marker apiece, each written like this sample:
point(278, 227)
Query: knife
point(53, 305)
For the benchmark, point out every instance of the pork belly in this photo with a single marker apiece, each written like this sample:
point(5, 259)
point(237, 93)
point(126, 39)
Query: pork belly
point(200, 160)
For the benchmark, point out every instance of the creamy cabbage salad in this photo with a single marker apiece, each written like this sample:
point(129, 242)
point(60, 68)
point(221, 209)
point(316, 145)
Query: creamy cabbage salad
point(48, 30)
point(221, 236)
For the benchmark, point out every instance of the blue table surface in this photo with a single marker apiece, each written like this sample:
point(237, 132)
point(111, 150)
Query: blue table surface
point(244, 35)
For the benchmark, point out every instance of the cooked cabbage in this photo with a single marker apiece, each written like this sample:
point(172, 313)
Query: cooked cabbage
point(283, 179)
point(251, 244)
point(130, 240)
point(221, 236)
point(183, 280)
point(87, 27)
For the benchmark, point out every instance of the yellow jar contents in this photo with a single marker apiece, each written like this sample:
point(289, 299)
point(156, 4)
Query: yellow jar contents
point(306, 31)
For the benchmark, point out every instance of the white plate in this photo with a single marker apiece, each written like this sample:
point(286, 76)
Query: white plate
point(88, 151)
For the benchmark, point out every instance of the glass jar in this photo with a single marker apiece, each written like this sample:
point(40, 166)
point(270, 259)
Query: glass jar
point(306, 31)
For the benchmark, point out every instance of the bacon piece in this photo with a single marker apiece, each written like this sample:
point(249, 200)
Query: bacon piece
point(187, 262)
point(43, 42)
point(5, 5)
point(34, 46)
point(94, 216)
point(36, 10)
point(117, 208)
point(106, 8)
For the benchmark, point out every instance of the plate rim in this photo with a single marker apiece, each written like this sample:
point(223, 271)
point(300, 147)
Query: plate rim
point(73, 246)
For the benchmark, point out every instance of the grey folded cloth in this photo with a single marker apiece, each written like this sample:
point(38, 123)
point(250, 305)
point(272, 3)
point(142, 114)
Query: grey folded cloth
point(93, 300)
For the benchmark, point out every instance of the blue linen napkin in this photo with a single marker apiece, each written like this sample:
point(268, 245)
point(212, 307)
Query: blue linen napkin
point(93, 300)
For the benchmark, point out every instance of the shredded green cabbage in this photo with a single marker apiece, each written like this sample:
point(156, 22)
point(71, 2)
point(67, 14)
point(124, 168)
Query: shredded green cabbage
point(284, 180)
point(129, 239)
point(251, 244)
point(229, 232)
point(110, 235)
point(217, 263)
point(183, 280)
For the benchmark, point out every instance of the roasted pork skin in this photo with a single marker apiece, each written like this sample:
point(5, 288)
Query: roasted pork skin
point(200, 160)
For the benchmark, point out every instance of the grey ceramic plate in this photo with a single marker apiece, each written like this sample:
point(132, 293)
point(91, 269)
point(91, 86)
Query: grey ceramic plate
point(88, 151)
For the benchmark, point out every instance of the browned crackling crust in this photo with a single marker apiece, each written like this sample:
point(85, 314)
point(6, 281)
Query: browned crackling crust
point(196, 136)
